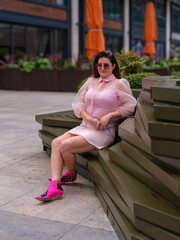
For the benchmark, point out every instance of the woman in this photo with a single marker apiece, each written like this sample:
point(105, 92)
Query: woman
point(102, 100)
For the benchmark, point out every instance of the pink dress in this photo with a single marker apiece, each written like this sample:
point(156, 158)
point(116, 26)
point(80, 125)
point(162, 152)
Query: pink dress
point(99, 97)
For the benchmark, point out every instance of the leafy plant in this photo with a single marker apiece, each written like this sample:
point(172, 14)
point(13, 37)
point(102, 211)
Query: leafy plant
point(69, 65)
point(175, 74)
point(26, 66)
point(43, 63)
point(135, 79)
point(129, 62)
point(13, 66)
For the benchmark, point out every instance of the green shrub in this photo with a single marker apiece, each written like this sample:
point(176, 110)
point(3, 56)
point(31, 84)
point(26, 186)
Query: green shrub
point(43, 63)
point(135, 79)
point(175, 74)
point(26, 66)
point(129, 62)
point(13, 66)
point(69, 65)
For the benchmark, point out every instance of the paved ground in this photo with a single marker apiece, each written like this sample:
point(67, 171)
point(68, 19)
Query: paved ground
point(24, 170)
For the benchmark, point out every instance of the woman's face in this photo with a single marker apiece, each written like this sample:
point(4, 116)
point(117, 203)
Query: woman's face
point(105, 67)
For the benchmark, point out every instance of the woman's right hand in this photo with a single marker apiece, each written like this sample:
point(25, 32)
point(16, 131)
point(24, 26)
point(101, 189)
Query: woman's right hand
point(94, 122)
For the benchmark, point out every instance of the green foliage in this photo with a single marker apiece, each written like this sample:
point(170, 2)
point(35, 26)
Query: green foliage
point(135, 79)
point(163, 63)
point(26, 66)
point(43, 63)
point(13, 66)
point(175, 74)
point(129, 62)
point(69, 65)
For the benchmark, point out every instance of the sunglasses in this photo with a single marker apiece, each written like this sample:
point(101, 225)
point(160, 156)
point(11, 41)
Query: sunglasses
point(106, 66)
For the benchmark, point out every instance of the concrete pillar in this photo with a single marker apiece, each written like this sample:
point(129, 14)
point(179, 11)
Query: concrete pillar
point(74, 30)
point(126, 20)
point(168, 29)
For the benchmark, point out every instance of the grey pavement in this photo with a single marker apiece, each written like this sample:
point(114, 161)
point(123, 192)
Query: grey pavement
point(24, 172)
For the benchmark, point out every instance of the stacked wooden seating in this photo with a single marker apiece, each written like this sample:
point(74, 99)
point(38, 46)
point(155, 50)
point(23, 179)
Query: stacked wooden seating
point(137, 179)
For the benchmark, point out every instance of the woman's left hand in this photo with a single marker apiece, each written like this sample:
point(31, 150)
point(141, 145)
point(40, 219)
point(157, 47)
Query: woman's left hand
point(103, 122)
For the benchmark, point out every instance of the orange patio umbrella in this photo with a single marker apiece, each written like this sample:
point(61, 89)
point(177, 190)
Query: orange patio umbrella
point(94, 20)
point(150, 30)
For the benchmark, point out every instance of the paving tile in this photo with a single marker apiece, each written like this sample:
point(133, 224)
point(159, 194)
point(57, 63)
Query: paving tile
point(85, 233)
point(15, 227)
point(12, 153)
point(78, 203)
point(95, 220)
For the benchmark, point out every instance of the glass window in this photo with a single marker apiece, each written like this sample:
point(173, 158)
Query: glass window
point(160, 8)
point(175, 19)
point(113, 9)
point(5, 40)
point(59, 43)
point(175, 51)
point(19, 41)
point(44, 50)
point(113, 43)
point(32, 42)
point(138, 10)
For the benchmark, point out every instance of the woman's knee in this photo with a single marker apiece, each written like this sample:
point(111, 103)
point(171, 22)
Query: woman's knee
point(56, 143)
point(65, 146)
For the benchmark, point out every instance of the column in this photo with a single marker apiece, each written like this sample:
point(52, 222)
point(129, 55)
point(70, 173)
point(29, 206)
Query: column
point(126, 37)
point(168, 27)
point(74, 30)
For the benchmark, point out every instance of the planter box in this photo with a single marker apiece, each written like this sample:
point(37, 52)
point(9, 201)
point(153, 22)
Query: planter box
point(42, 80)
point(163, 71)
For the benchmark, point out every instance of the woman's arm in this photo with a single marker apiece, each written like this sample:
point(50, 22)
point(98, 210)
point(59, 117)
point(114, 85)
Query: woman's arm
point(105, 119)
point(93, 121)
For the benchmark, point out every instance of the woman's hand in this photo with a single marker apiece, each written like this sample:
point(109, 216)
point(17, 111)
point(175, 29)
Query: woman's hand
point(94, 122)
point(104, 121)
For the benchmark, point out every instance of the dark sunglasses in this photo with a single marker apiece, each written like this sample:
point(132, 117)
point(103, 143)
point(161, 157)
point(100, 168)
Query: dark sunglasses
point(106, 66)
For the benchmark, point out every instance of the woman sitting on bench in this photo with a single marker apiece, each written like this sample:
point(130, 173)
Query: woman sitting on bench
point(103, 99)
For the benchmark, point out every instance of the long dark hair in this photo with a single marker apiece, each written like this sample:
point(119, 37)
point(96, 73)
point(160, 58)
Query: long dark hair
point(107, 54)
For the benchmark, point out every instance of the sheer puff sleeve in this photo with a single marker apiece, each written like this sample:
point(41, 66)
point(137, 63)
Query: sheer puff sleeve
point(126, 101)
point(78, 103)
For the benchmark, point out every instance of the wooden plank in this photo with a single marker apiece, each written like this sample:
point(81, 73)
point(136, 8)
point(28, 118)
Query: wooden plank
point(56, 131)
point(65, 119)
point(166, 148)
point(149, 81)
point(128, 230)
point(127, 132)
point(39, 118)
point(157, 129)
point(102, 180)
point(165, 176)
point(141, 130)
point(135, 164)
point(109, 214)
point(166, 91)
point(143, 202)
point(153, 232)
point(146, 96)
point(166, 112)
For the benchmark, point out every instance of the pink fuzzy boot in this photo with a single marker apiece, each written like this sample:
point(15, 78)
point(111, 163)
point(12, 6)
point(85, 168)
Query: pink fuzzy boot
point(54, 190)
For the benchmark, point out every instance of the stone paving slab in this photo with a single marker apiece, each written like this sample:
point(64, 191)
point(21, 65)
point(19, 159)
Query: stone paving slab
point(24, 173)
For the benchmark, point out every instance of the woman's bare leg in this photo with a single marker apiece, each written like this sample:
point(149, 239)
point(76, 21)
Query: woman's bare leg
point(70, 146)
point(56, 158)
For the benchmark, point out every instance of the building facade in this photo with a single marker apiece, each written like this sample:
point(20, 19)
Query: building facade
point(47, 27)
